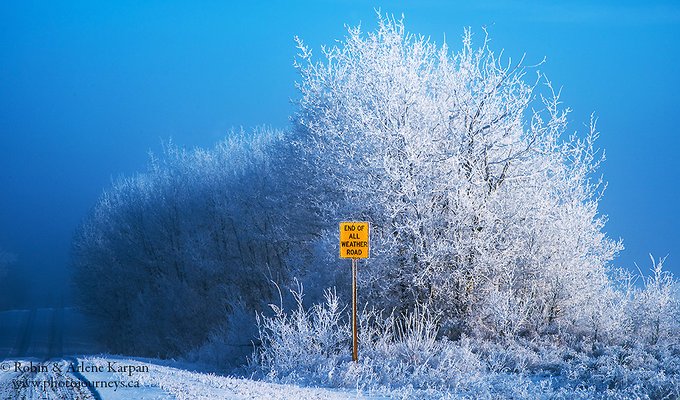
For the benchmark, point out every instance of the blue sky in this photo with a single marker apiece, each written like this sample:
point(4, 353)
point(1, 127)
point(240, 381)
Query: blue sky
point(88, 88)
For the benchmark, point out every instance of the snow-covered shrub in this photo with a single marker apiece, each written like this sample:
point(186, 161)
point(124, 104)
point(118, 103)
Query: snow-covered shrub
point(416, 335)
point(303, 341)
point(654, 309)
point(397, 355)
point(620, 372)
point(313, 346)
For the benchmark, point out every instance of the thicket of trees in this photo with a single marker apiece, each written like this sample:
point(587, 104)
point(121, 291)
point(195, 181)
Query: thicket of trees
point(483, 212)
point(166, 254)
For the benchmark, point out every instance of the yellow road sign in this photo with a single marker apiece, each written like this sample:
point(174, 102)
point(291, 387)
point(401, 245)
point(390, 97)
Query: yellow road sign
point(354, 241)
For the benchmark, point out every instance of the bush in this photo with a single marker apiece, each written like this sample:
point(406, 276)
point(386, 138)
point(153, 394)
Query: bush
point(401, 355)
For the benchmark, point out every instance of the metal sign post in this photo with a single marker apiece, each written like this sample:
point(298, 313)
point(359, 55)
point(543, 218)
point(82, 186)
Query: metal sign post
point(355, 335)
point(354, 244)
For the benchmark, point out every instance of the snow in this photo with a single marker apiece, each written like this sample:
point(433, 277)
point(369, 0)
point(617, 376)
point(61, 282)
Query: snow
point(162, 383)
point(168, 382)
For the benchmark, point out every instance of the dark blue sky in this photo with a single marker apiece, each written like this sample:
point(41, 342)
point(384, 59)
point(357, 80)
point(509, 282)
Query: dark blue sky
point(88, 88)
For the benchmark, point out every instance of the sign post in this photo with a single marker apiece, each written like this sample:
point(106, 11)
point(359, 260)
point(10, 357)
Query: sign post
point(354, 244)
point(355, 334)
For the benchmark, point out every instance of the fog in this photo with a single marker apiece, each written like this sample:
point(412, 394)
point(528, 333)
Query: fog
point(88, 89)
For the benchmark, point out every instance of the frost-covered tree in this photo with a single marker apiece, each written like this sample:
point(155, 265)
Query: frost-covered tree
point(165, 255)
point(479, 204)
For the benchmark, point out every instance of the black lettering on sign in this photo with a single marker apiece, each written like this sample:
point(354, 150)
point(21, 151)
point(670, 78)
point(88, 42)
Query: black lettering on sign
point(354, 240)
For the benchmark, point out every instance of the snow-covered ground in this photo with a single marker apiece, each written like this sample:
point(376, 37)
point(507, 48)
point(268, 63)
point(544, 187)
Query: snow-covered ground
point(183, 384)
point(124, 379)
point(35, 346)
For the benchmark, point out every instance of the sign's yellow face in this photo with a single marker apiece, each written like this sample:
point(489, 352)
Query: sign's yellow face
point(354, 240)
